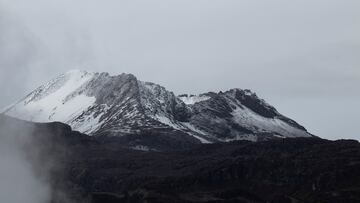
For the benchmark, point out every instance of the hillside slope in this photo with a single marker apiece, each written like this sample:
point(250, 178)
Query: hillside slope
point(98, 169)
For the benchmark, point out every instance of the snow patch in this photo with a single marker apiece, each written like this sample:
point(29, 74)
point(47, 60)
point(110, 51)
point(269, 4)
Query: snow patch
point(165, 120)
point(141, 148)
point(249, 119)
point(194, 131)
point(189, 100)
point(55, 106)
point(202, 140)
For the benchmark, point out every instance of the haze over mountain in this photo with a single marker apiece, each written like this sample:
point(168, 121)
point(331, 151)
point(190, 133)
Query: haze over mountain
point(303, 53)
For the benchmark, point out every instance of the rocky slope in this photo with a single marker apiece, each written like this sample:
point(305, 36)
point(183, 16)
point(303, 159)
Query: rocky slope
point(100, 104)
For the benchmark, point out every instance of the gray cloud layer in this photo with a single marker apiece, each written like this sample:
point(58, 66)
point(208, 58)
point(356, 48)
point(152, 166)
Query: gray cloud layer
point(302, 56)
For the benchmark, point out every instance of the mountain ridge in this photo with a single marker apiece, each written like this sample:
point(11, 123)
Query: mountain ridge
point(100, 104)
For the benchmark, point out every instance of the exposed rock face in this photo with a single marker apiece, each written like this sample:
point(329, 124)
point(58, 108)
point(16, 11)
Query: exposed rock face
point(99, 104)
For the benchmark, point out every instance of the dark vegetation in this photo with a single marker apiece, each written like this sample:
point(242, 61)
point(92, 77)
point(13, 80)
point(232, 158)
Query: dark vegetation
point(102, 170)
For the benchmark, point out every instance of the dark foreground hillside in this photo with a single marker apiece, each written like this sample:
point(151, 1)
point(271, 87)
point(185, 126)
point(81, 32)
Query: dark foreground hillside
point(99, 170)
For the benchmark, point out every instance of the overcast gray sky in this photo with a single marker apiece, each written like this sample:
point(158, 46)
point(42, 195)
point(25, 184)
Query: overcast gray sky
point(302, 56)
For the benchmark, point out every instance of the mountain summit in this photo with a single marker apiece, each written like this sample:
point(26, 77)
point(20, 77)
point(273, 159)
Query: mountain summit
point(99, 104)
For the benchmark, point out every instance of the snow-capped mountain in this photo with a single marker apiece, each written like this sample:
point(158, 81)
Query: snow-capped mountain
point(100, 104)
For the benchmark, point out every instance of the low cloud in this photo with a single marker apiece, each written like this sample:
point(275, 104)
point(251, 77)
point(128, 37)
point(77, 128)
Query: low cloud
point(19, 181)
point(31, 170)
